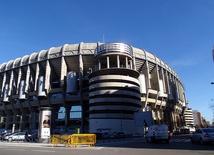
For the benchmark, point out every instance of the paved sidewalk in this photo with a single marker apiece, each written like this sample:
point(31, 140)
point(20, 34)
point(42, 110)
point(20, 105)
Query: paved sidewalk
point(16, 143)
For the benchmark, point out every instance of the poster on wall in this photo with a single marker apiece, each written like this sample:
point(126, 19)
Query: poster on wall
point(45, 123)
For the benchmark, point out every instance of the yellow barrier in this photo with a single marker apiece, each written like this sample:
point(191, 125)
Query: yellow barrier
point(83, 139)
point(59, 139)
point(74, 139)
point(55, 139)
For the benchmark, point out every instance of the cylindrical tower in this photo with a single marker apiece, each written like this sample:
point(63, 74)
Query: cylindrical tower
point(114, 90)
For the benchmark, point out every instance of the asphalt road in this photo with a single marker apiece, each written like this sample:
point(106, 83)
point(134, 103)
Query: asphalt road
point(177, 146)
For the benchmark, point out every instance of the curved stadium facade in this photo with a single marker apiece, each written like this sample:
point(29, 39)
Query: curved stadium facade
point(92, 86)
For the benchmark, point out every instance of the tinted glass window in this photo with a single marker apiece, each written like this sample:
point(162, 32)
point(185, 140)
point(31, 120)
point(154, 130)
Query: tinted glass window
point(208, 130)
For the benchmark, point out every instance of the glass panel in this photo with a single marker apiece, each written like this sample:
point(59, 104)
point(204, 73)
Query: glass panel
point(61, 113)
point(76, 112)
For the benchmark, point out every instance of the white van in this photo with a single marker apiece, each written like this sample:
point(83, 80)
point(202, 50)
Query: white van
point(157, 133)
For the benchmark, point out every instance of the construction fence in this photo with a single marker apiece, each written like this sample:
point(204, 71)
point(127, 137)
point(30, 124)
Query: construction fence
point(73, 140)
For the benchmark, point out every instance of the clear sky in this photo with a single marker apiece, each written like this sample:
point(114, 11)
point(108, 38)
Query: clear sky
point(179, 32)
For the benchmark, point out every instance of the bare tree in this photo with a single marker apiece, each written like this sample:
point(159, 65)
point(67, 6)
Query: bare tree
point(211, 106)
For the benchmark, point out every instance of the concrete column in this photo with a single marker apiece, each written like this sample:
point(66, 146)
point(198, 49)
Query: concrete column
point(7, 123)
point(67, 115)
point(127, 62)
point(107, 60)
point(36, 76)
point(33, 120)
point(146, 72)
point(63, 71)
point(131, 66)
point(99, 64)
point(118, 61)
point(173, 120)
point(134, 63)
point(24, 120)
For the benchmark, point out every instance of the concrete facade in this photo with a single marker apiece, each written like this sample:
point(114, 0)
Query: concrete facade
point(109, 81)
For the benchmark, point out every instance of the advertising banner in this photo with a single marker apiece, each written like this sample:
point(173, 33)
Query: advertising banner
point(45, 123)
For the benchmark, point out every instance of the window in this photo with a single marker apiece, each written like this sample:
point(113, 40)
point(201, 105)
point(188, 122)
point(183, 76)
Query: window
point(61, 113)
point(76, 112)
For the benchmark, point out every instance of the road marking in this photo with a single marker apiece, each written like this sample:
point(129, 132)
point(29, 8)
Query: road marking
point(90, 148)
point(43, 151)
point(16, 149)
point(188, 140)
point(179, 140)
point(94, 148)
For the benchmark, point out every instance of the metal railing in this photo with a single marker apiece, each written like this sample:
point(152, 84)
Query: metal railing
point(113, 47)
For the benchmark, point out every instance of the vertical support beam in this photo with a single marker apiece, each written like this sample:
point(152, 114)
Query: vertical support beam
point(3, 84)
point(27, 79)
point(173, 123)
point(131, 66)
point(47, 77)
point(107, 60)
point(1, 81)
point(11, 83)
point(166, 75)
point(63, 71)
point(148, 82)
point(8, 115)
point(6, 89)
point(28, 102)
point(163, 78)
point(31, 80)
point(157, 77)
point(19, 80)
point(80, 85)
point(99, 64)
point(176, 91)
point(134, 63)
point(127, 63)
point(36, 76)
point(63, 76)
point(67, 115)
point(118, 61)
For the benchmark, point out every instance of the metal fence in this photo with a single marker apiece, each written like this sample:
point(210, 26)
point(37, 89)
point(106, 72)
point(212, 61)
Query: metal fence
point(73, 140)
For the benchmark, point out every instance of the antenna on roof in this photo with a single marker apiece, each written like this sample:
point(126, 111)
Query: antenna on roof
point(103, 38)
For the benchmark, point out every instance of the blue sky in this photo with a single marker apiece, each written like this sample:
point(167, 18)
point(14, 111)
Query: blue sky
point(179, 32)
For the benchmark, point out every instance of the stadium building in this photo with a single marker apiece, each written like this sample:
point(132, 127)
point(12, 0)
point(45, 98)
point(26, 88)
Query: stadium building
point(91, 86)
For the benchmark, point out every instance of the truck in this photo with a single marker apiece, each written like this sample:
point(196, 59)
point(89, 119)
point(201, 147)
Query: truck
point(157, 133)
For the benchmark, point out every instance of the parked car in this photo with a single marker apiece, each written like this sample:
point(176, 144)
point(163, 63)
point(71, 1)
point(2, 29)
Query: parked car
point(2, 135)
point(15, 136)
point(5, 135)
point(157, 133)
point(203, 135)
point(176, 133)
point(184, 131)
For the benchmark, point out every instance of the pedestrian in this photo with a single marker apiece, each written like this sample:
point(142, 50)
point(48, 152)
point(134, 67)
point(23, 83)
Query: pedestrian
point(26, 136)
